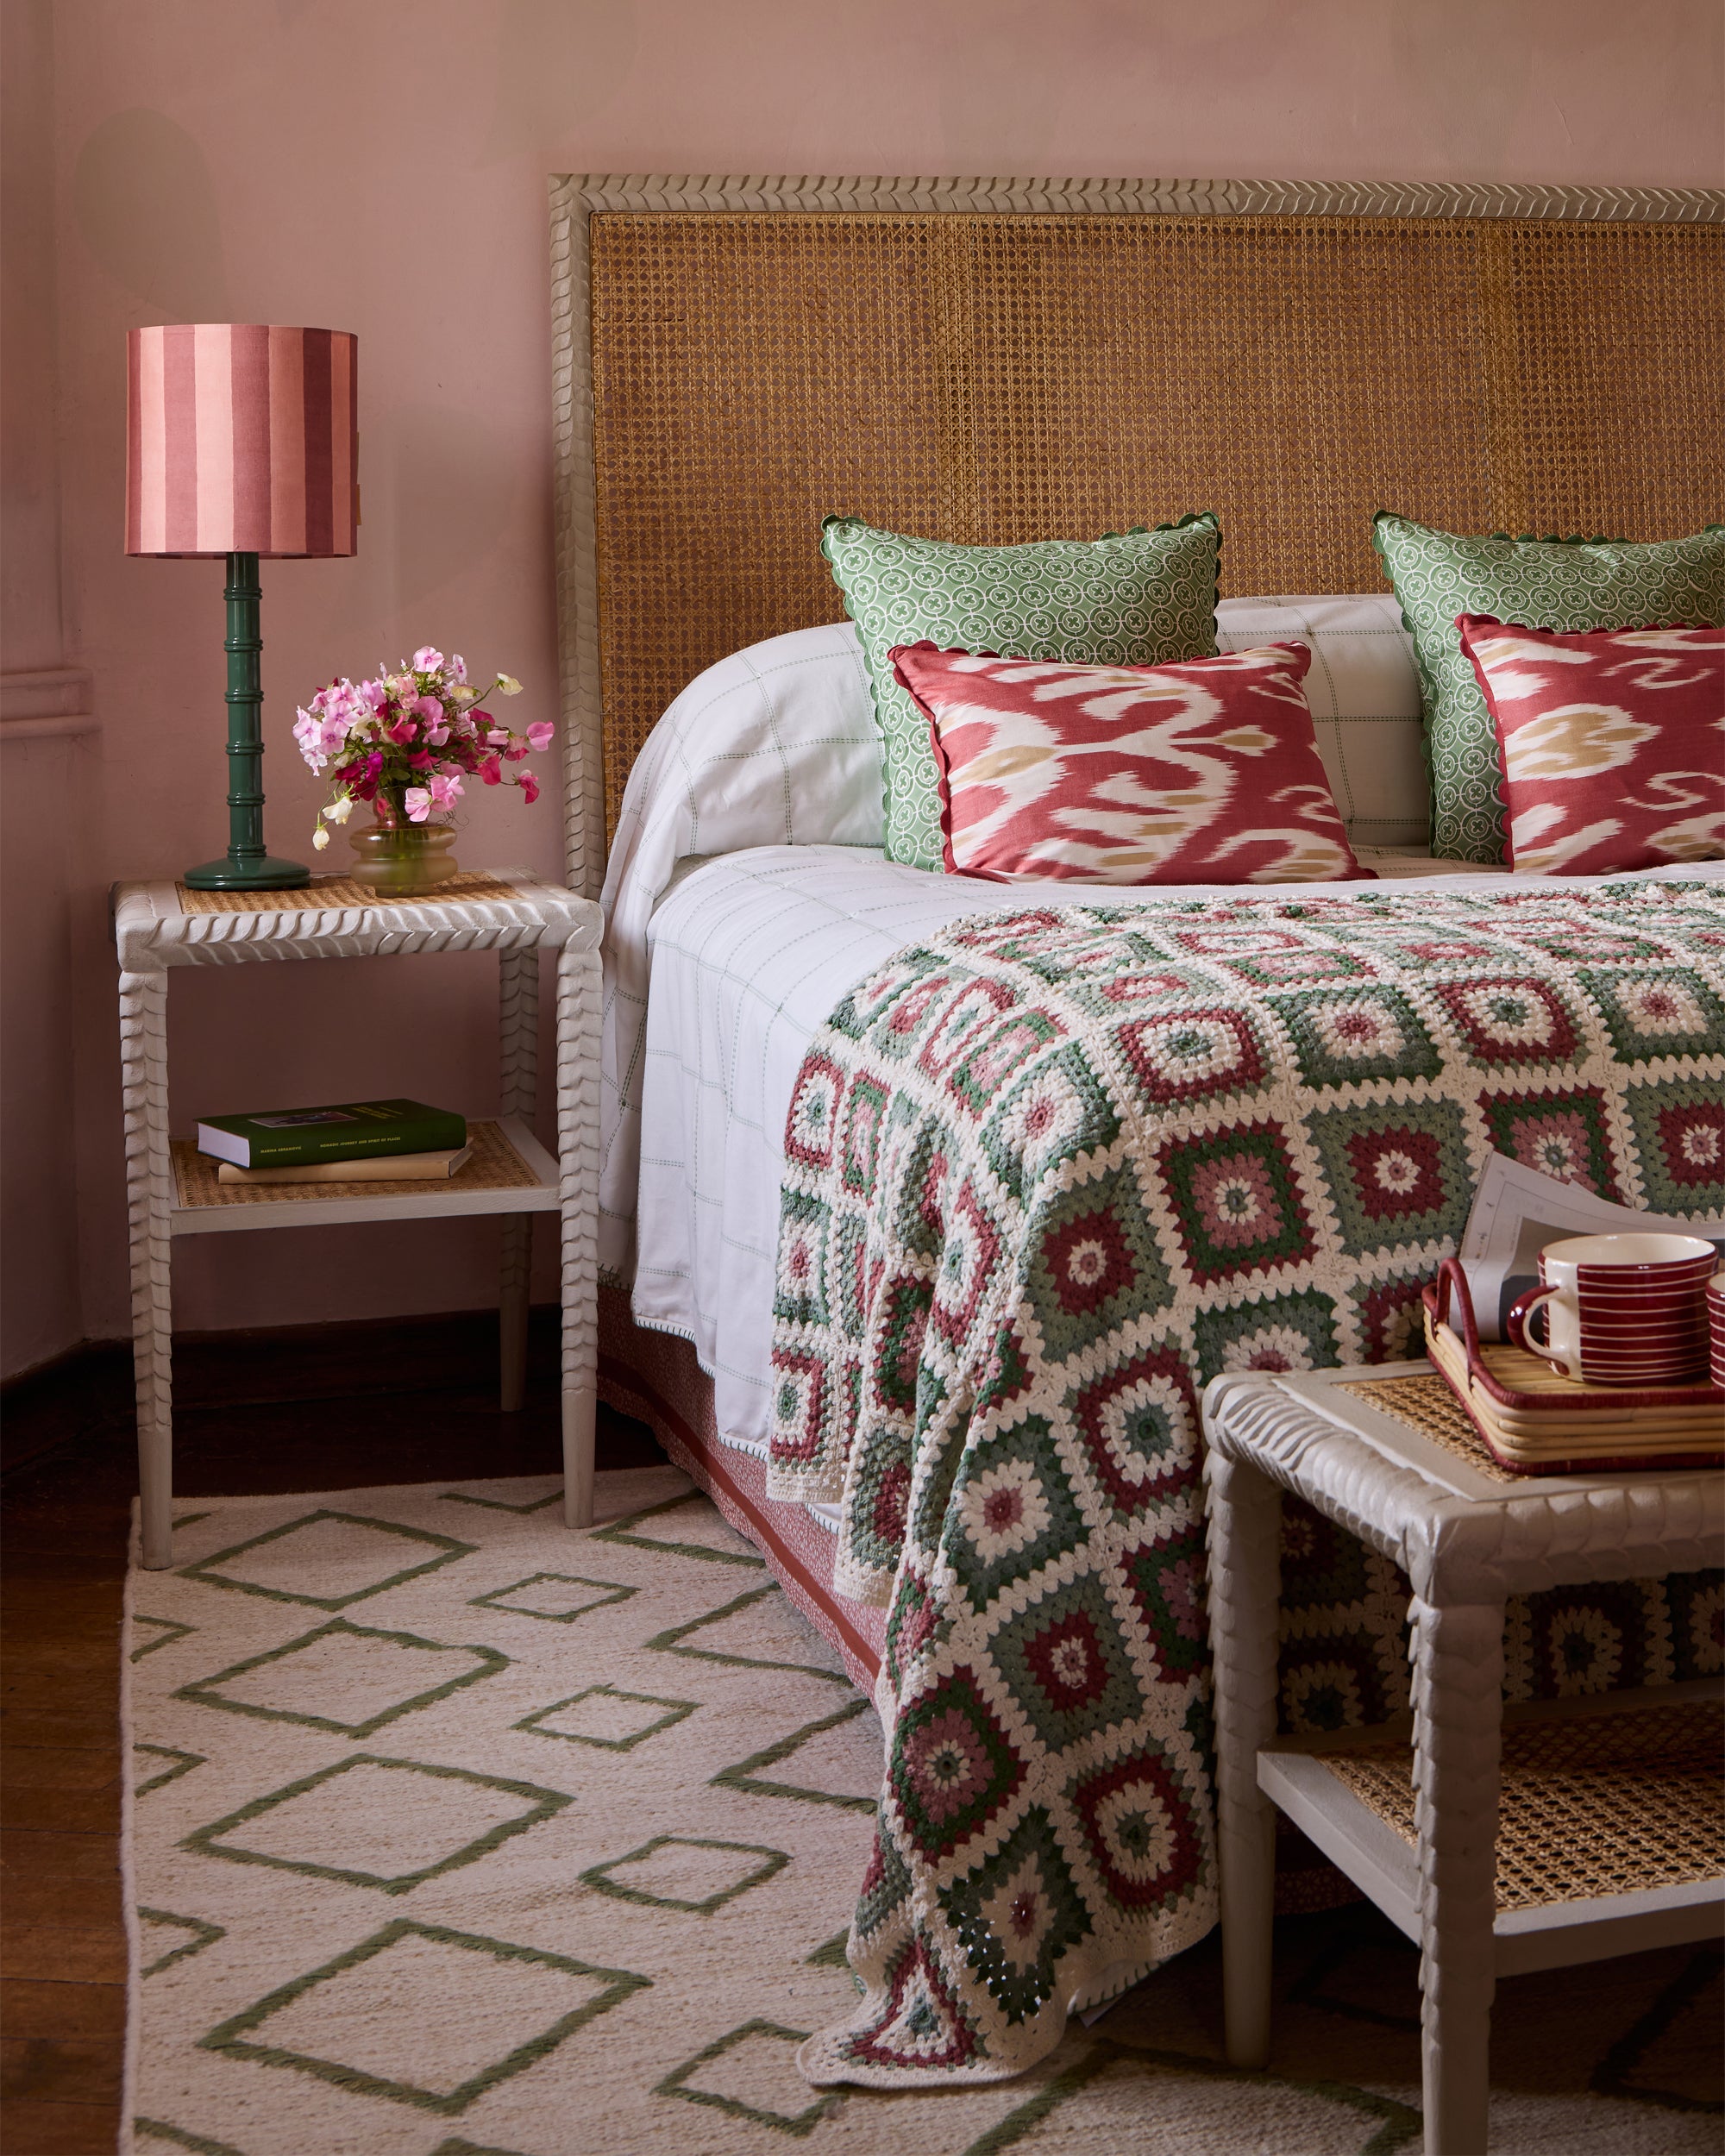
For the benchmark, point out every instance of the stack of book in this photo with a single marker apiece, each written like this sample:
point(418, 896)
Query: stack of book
point(352, 1141)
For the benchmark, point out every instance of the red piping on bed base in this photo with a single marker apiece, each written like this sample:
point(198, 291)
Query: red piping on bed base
point(655, 1377)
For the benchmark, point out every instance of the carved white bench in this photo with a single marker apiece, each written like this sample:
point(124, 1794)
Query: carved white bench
point(1412, 1813)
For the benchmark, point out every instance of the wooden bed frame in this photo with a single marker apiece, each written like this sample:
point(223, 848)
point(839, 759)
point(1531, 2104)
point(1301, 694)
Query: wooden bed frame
point(998, 360)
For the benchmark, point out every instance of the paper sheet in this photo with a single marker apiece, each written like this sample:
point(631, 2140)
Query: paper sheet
point(1516, 1210)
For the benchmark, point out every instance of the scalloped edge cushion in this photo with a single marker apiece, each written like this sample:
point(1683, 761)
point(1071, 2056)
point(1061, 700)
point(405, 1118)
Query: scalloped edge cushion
point(1612, 743)
point(1142, 597)
point(1206, 771)
point(1569, 585)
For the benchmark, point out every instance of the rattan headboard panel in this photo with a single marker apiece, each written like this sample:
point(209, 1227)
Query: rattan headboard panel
point(995, 377)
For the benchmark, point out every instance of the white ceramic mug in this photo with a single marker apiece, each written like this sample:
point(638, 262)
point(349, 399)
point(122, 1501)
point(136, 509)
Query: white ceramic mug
point(1620, 1309)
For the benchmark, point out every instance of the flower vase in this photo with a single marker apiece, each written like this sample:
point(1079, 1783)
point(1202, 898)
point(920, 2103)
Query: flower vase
point(393, 855)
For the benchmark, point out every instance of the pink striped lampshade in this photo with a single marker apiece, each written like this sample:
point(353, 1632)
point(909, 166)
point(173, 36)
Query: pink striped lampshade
point(241, 438)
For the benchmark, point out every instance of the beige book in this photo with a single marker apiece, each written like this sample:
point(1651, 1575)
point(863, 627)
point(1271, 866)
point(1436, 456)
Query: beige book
point(386, 1168)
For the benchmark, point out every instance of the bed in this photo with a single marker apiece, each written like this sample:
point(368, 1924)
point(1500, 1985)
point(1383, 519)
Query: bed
point(997, 361)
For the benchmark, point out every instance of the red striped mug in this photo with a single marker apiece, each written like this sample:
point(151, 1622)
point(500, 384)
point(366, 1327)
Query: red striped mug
point(1620, 1309)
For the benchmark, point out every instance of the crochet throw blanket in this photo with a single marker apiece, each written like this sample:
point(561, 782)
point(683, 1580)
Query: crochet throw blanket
point(1049, 1172)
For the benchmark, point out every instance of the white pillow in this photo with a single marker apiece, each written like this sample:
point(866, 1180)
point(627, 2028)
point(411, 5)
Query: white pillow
point(777, 744)
point(1365, 696)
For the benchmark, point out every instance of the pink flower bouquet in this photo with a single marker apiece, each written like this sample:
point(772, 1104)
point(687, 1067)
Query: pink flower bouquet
point(408, 741)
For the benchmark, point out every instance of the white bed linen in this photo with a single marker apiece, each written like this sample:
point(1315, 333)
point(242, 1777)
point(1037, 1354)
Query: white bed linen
point(749, 956)
point(777, 745)
point(774, 745)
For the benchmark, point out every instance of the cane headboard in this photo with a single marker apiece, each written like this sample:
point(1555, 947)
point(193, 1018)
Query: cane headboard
point(1001, 360)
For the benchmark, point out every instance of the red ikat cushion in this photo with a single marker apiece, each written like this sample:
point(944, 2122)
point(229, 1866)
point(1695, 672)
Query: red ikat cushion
point(1612, 743)
point(1207, 771)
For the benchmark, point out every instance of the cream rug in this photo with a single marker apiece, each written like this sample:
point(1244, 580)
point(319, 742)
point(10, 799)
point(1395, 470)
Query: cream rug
point(456, 1834)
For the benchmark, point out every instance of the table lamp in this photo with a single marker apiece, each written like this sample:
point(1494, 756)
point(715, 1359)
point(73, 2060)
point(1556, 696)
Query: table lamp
point(242, 441)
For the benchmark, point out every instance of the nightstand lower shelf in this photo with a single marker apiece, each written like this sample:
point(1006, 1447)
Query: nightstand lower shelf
point(510, 1172)
point(1609, 1828)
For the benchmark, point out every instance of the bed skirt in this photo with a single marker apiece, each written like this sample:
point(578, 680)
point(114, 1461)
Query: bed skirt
point(654, 1377)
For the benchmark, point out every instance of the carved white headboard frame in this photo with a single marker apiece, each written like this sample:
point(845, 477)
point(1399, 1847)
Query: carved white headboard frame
point(575, 198)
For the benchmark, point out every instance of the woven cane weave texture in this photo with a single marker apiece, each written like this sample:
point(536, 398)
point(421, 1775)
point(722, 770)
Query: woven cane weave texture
point(1426, 1403)
point(999, 378)
point(1603, 1804)
point(326, 892)
point(494, 1165)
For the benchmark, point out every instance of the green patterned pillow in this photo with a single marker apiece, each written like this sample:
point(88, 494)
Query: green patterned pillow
point(1564, 584)
point(1139, 598)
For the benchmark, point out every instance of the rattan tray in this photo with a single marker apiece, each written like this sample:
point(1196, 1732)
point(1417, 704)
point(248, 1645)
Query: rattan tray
point(1535, 1422)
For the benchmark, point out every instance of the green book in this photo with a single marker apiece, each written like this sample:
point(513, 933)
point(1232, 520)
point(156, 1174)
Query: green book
point(350, 1129)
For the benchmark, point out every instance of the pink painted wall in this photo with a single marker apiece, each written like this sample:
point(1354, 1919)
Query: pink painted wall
point(42, 759)
point(380, 168)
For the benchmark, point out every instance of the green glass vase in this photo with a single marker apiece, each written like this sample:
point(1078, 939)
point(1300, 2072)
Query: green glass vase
point(394, 855)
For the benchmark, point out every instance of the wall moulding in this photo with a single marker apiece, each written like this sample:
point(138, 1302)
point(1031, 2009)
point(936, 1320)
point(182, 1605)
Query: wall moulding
point(46, 703)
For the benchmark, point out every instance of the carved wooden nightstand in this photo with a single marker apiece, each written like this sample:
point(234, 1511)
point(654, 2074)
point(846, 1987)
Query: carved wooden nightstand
point(172, 1190)
point(1499, 1839)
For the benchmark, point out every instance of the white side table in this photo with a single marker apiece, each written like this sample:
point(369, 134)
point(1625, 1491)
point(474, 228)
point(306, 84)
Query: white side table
point(172, 1191)
point(1428, 1846)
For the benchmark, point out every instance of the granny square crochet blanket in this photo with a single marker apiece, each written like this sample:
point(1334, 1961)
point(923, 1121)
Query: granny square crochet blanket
point(1049, 1172)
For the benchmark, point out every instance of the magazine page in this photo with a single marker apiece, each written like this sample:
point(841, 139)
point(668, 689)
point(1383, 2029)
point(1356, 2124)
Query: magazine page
point(1516, 1210)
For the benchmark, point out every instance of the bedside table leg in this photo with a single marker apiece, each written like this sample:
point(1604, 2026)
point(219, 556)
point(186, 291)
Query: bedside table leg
point(1457, 1728)
point(517, 981)
point(1245, 1591)
point(143, 1068)
point(578, 1097)
point(517, 1270)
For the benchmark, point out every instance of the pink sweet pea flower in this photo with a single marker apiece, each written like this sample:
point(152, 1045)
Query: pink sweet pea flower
point(492, 771)
point(539, 734)
point(446, 789)
point(308, 731)
point(515, 752)
point(439, 734)
point(403, 731)
point(419, 761)
point(418, 803)
point(321, 728)
point(497, 736)
point(528, 785)
point(427, 707)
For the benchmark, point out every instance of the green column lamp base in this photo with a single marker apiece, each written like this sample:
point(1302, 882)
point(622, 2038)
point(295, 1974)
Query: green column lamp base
point(263, 873)
point(247, 866)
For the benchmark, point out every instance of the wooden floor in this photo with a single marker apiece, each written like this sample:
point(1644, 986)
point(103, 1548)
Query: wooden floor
point(330, 1409)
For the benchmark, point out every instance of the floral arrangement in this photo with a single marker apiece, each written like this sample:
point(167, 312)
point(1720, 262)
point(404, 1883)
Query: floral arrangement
point(407, 742)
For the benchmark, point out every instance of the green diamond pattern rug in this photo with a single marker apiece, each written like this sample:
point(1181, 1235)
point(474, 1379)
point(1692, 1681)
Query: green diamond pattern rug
point(454, 1833)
